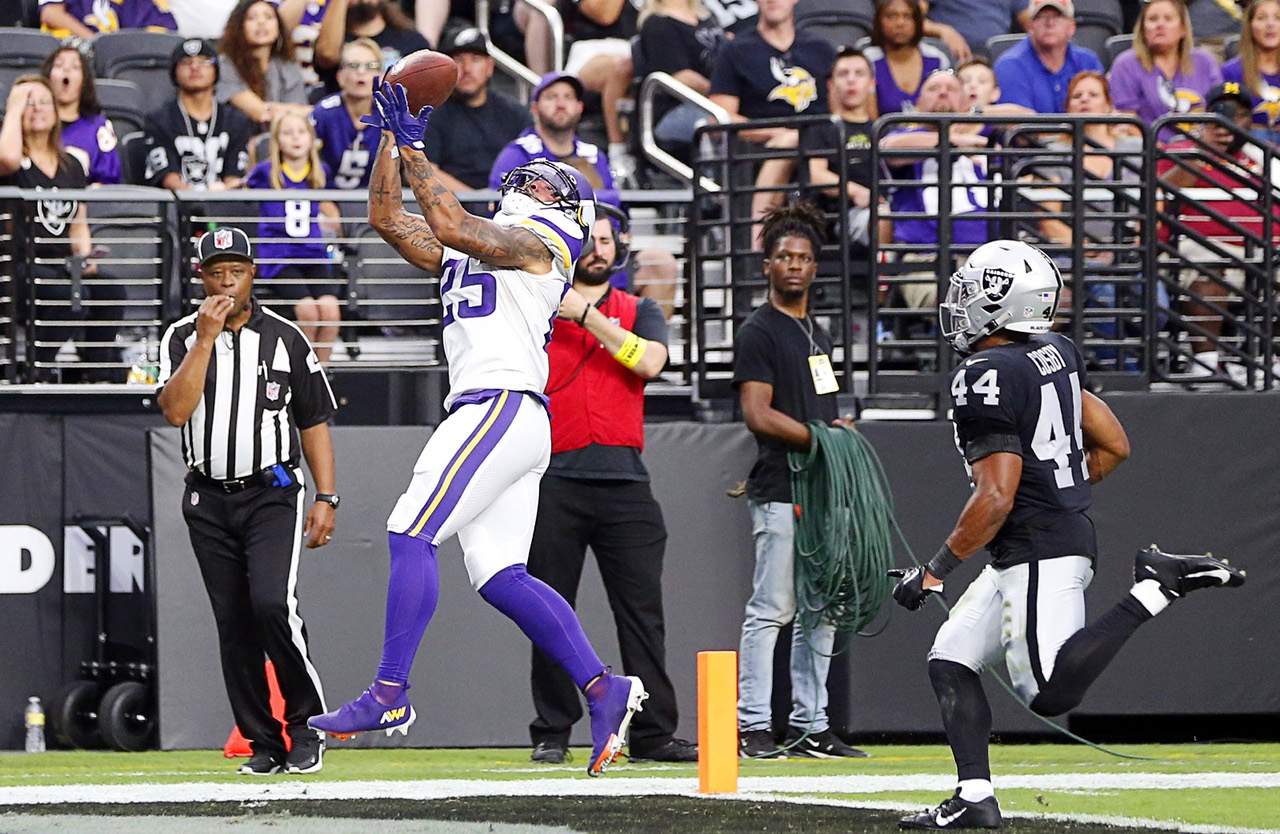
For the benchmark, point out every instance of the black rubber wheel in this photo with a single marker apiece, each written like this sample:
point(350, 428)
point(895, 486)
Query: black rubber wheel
point(75, 716)
point(126, 717)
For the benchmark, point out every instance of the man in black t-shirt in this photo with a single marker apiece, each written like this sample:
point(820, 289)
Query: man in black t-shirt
point(193, 142)
point(1034, 439)
point(850, 87)
point(782, 371)
point(467, 131)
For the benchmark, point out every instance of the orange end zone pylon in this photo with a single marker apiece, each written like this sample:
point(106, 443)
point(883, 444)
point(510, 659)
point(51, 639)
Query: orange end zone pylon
point(717, 722)
point(237, 745)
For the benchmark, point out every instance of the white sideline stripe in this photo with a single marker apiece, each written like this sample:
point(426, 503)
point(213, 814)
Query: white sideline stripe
point(803, 786)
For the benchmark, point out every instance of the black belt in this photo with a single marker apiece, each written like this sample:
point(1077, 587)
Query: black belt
point(265, 478)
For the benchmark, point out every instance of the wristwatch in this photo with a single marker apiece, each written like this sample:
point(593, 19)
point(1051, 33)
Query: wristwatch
point(328, 498)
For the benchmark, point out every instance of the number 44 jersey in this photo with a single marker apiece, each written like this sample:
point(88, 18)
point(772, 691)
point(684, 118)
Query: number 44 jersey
point(1025, 398)
point(497, 321)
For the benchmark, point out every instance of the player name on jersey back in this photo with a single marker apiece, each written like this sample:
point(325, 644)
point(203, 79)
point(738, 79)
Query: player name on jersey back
point(1047, 359)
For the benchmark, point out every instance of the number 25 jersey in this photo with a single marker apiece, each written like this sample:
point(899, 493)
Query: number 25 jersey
point(1025, 398)
point(497, 321)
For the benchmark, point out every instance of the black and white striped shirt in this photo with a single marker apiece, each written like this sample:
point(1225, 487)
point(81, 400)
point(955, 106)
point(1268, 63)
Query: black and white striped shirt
point(264, 384)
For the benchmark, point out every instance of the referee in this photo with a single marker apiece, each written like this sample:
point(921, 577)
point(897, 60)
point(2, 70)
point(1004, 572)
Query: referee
point(249, 395)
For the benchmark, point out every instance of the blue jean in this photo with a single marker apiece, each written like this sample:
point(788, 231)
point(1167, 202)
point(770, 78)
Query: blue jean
point(772, 606)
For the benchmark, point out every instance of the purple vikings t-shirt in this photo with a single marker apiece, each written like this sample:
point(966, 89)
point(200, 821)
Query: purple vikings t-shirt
point(289, 228)
point(1149, 94)
point(966, 173)
point(1266, 107)
point(346, 151)
point(119, 14)
point(91, 140)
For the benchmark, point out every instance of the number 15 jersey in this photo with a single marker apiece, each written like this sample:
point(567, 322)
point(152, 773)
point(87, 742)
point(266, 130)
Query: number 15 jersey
point(1025, 398)
point(497, 321)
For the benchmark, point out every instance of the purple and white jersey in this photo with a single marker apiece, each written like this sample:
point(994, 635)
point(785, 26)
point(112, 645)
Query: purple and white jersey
point(92, 141)
point(497, 320)
point(347, 151)
point(114, 15)
point(304, 38)
point(890, 98)
point(289, 228)
point(966, 172)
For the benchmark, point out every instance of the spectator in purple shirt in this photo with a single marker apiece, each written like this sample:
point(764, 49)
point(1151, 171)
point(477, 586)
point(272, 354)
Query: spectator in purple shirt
point(1163, 73)
point(1257, 67)
point(86, 133)
point(900, 61)
point(87, 18)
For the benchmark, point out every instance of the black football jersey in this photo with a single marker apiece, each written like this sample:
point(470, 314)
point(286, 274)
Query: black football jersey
point(200, 152)
point(1026, 398)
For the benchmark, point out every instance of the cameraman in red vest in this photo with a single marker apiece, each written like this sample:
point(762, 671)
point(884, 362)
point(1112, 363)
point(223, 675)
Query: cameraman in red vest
point(607, 343)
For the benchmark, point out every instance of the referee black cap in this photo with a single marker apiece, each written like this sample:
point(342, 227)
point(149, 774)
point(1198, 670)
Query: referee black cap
point(223, 243)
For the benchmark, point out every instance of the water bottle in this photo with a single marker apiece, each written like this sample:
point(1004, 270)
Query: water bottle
point(35, 725)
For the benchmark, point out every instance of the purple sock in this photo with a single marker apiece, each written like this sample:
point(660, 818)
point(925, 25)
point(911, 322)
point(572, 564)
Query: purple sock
point(546, 619)
point(413, 590)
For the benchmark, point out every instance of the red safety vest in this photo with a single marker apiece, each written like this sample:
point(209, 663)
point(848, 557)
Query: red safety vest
point(604, 402)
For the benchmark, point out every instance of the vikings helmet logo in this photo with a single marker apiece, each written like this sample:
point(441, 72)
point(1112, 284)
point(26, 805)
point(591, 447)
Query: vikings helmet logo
point(795, 85)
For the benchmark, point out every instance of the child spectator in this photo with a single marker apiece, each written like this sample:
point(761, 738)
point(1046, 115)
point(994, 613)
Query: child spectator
point(86, 133)
point(292, 254)
point(257, 73)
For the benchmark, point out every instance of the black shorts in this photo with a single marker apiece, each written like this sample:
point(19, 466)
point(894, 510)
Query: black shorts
point(296, 282)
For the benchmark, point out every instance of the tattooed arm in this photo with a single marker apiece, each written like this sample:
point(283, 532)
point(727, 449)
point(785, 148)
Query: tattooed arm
point(408, 234)
point(454, 226)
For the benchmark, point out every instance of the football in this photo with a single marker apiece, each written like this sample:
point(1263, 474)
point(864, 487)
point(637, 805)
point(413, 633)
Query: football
point(427, 77)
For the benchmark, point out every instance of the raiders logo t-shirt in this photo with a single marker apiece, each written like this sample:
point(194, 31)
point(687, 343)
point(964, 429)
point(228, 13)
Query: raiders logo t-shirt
point(53, 215)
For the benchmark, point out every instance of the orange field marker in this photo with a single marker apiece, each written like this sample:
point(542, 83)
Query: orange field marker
point(717, 722)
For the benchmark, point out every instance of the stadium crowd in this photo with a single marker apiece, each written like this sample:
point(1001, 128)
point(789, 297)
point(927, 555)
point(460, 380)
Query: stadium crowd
point(241, 70)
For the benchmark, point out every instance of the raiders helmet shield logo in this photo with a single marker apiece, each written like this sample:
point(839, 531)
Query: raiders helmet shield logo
point(996, 282)
point(192, 47)
point(222, 239)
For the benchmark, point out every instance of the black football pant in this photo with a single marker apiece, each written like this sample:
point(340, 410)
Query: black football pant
point(247, 545)
point(622, 523)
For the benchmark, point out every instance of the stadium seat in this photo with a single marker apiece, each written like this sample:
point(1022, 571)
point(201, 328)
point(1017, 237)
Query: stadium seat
point(133, 157)
point(839, 22)
point(1116, 45)
point(389, 289)
point(123, 103)
point(997, 45)
point(22, 51)
point(1097, 20)
point(140, 57)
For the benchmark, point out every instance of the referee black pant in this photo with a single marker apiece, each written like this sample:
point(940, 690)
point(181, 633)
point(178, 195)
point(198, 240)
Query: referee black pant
point(248, 544)
point(622, 523)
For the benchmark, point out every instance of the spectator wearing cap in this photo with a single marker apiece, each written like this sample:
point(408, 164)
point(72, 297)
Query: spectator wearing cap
point(1036, 72)
point(89, 18)
point(195, 142)
point(382, 21)
point(557, 109)
point(468, 131)
point(1163, 73)
point(1223, 160)
point(347, 145)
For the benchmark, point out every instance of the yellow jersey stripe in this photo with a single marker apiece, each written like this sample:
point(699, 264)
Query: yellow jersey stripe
point(443, 488)
point(534, 223)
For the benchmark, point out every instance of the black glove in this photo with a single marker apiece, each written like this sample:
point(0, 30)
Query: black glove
point(910, 592)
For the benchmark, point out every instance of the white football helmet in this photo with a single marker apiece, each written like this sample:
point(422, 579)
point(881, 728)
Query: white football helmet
point(572, 193)
point(1004, 284)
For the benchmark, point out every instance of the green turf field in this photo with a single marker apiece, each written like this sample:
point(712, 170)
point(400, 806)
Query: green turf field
point(1199, 787)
